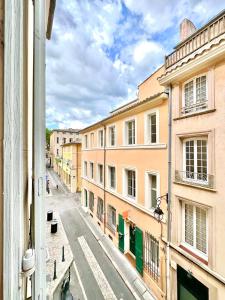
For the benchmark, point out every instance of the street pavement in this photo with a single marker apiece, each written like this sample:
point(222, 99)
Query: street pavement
point(94, 276)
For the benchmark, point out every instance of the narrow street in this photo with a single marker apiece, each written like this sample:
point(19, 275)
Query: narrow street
point(97, 277)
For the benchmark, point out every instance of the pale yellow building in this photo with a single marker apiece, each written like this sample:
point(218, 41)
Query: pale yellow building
point(69, 166)
point(124, 173)
point(195, 75)
point(59, 137)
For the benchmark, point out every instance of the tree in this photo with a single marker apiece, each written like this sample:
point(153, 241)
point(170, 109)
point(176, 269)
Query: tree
point(48, 133)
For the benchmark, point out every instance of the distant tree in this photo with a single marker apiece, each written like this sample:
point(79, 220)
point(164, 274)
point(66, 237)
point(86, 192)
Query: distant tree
point(48, 132)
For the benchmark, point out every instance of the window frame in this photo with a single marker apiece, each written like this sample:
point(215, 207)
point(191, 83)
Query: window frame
point(111, 209)
point(98, 173)
point(109, 135)
point(125, 131)
point(92, 139)
point(86, 141)
point(147, 134)
point(195, 180)
point(101, 141)
point(100, 216)
point(148, 199)
point(109, 178)
point(183, 242)
point(91, 171)
point(85, 169)
point(194, 79)
point(125, 183)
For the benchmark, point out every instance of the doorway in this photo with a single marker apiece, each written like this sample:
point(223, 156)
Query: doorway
point(132, 239)
point(189, 288)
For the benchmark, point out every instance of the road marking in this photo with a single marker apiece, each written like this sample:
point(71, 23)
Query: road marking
point(80, 282)
point(103, 283)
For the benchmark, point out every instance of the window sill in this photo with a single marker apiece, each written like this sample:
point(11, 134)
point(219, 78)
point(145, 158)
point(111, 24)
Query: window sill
point(204, 261)
point(193, 185)
point(195, 114)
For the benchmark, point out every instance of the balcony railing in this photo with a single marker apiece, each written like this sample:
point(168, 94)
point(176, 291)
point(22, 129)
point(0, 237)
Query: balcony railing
point(206, 34)
point(194, 108)
point(198, 179)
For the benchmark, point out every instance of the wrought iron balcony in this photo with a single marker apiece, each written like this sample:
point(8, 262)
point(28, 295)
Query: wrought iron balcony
point(198, 179)
point(204, 35)
point(194, 108)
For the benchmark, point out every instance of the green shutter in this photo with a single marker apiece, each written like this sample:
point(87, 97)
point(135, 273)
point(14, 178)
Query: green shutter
point(121, 233)
point(139, 250)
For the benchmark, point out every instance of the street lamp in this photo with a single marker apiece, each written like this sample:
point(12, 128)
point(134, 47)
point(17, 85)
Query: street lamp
point(158, 213)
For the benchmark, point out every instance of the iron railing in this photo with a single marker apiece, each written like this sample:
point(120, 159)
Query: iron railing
point(192, 178)
point(151, 255)
point(206, 34)
point(194, 108)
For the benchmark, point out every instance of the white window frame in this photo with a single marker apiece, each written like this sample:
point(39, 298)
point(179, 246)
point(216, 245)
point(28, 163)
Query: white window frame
point(147, 135)
point(92, 178)
point(148, 200)
point(86, 141)
point(110, 208)
point(99, 138)
point(195, 159)
point(125, 131)
point(84, 189)
point(185, 244)
point(194, 92)
point(109, 177)
point(85, 169)
point(98, 173)
point(125, 183)
point(92, 141)
point(109, 135)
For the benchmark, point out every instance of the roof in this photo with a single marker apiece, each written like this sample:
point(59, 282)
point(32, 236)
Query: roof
point(71, 143)
point(70, 130)
point(50, 18)
point(122, 106)
point(126, 108)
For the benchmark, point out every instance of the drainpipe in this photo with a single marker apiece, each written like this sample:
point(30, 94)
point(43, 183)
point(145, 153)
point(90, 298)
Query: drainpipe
point(169, 195)
point(104, 166)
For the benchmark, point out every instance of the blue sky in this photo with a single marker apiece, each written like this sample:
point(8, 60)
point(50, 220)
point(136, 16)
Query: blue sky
point(102, 49)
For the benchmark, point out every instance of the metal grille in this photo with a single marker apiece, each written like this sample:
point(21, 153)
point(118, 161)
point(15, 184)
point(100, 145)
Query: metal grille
point(91, 201)
point(100, 209)
point(111, 218)
point(151, 255)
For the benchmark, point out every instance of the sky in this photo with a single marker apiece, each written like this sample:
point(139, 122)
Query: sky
point(101, 50)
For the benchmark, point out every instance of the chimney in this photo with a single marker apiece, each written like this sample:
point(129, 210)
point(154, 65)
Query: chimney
point(186, 29)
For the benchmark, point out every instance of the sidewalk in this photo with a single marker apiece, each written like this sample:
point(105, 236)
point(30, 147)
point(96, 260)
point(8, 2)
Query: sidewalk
point(130, 276)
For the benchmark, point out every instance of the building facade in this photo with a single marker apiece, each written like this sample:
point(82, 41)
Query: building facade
point(195, 75)
point(24, 26)
point(124, 173)
point(69, 166)
point(59, 137)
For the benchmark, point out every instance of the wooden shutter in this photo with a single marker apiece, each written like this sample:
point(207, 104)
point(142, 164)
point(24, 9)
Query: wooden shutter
point(139, 250)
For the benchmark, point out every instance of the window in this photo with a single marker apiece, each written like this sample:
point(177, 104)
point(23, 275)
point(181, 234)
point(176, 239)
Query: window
point(131, 183)
point(195, 227)
point(152, 192)
point(111, 218)
point(91, 201)
point(57, 151)
point(57, 140)
point(195, 95)
point(91, 170)
point(100, 209)
point(130, 132)
point(71, 140)
point(101, 138)
point(112, 177)
point(85, 198)
point(100, 174)
point(64, 140)
point(112, 136)
point(151, 255)
point(152, 127)
point(85, 168)
point(92, 139)
point(86, 141)
point(195, 160)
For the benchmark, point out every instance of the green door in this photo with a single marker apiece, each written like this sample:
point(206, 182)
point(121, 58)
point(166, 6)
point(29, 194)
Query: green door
point(132, 239)
point(121, 233)
point(139, 249)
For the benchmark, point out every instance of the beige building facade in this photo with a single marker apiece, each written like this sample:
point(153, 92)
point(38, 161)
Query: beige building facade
point(195, 75)
point(69, 166)
point(59, 137)
point(124, 175)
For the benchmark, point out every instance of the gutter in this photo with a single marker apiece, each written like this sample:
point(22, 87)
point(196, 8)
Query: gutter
point(169, 195)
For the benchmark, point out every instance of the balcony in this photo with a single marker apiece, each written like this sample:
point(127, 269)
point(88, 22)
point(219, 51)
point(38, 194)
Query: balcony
point(206, 34)
point(197, 107)
point(195, 179)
